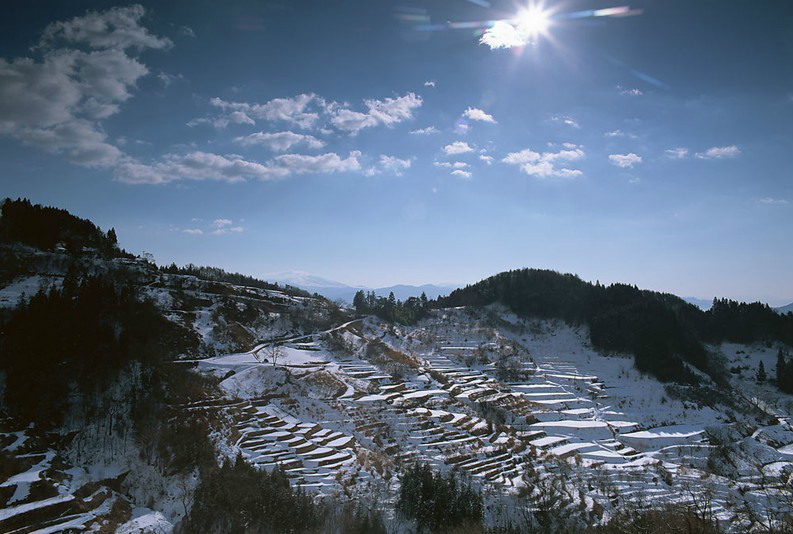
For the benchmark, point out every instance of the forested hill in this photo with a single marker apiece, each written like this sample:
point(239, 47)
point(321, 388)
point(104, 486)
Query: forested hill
point(660, 329)
point(46, 228)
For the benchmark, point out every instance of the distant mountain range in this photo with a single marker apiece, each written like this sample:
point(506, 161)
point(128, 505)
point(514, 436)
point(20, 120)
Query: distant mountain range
point(336, 290)
point(785, 309)
point(702, 304)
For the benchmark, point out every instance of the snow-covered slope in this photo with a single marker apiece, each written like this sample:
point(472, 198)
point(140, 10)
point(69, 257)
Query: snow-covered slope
point(516, 406)
point(343, 409)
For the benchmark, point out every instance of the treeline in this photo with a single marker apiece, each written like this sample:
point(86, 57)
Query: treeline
point(45, 228)
point(660, 329)
point(75, 339)
point(743, 322)
point(784, 372)
point(238, 497)
point(216, 274)
point(437, 502)
point(390, 309)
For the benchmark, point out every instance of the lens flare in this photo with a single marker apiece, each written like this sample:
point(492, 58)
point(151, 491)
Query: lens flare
point(533, 21)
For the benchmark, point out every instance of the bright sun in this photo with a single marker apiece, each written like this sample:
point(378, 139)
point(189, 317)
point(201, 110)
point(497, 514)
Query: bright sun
point(533, 21)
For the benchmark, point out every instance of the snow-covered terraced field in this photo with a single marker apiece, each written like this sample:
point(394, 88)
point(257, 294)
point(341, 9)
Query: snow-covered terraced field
point(610, 434)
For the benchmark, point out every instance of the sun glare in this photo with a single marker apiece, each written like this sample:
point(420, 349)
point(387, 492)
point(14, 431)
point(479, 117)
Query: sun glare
point(533, 21)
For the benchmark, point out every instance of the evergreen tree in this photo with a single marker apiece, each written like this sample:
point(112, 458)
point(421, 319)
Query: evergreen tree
point(359, 301)
point(761, 376)
point(780, 368)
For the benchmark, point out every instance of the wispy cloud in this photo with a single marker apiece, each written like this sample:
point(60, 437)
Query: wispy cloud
point(388, 112)
point(461, 174)
point(771, 200)
point(390, 164)
point(677, 153)
point(279, 141)
point(476, 114)
point(566, 120)
point(448, 165)
point(625, 161)
point(324, 163)
point(429, 130)
point(301, 111)
point(429, 84)
point(629, 92)
point(458, 147)
point(217, 227)
point(487, 159)
point(224, 226)
point(547, 164)
point(719, 152)
point(206, 166)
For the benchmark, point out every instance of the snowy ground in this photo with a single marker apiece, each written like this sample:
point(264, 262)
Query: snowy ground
point(343, 420)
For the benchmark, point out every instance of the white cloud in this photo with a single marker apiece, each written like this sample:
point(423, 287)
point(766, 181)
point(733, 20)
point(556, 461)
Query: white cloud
point(82, 142)
point(630, 92)
point(393, 164)
point(476, 114)
point(676, 153)
point(566, 120)
point(447, 165)
point(719, 152)
point(279, 141)
point(487, 159)
point(57, 102)
point(294, 110)
point(202, 166)
point(429, 84)
point(197, 166)
point(193, 231)
point(429, 130)
point(615, 133)
point(458, 147)
point(771, 200)
point(324, 163)
point(388, 112)
point(625, 161)
point(504, 35)
point(117, 28)
point(224, 226)
point(546, 164)
point(461, 174)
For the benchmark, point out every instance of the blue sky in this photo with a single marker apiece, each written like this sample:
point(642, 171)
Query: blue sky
point(378, 143)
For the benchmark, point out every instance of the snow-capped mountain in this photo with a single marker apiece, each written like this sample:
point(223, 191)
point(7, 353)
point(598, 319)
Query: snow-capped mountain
point(334, 290)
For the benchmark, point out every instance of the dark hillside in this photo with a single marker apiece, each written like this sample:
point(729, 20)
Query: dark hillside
point(45, 228)
point(660, 329)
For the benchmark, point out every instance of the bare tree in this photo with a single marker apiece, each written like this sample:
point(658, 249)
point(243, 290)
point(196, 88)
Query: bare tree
point(274, 352)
